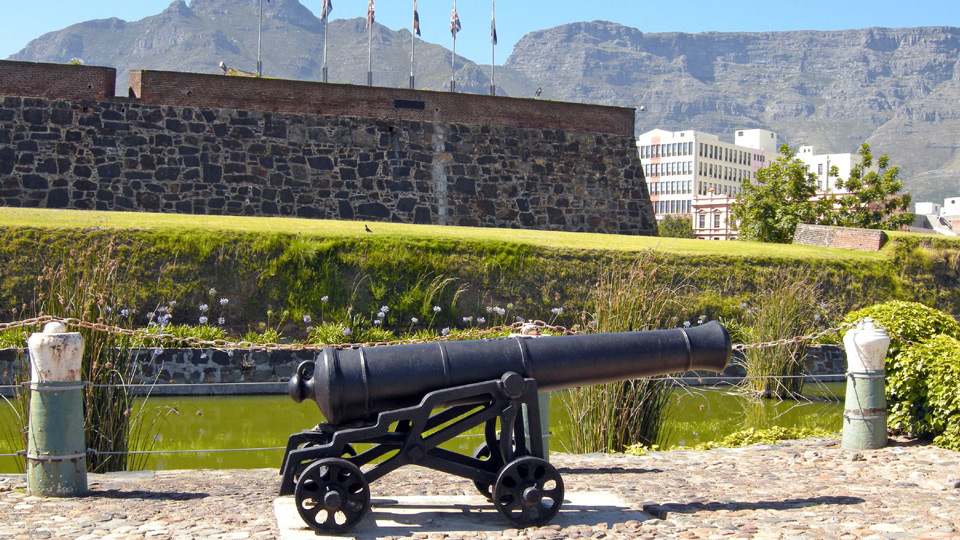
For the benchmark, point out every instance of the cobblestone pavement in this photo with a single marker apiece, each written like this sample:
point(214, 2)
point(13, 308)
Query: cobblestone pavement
point(791, 491)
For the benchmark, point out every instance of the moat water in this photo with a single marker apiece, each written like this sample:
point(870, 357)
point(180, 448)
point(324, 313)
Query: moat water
point(189, 425)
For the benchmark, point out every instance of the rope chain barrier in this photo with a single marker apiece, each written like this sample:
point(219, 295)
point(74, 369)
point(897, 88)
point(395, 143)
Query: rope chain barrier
point(526, 327)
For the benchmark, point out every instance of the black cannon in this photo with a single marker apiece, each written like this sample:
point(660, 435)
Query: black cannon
point(402, 402)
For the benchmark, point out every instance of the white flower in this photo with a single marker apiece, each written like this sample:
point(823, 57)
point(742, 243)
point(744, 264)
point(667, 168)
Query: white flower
point(204, 308)
point(414, 320)
point(385, 309)
point(445, 331)
point(203, 320)
point(468, 319)
point(212, 292)
point(686, 324)
point(221, 320)
point(324, 299)
point(381, 315)
point(307, 319)
point(436, 309)
point(481, 320)
point(377, 322)
point(224, 301)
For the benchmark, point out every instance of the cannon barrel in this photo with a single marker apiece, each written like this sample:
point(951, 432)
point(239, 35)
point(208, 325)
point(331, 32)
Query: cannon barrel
point(358, 384)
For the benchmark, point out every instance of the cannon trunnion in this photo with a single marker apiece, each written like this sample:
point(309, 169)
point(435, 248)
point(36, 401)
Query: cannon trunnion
point(397, 405)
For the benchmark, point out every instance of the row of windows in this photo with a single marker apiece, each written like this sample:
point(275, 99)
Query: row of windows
point(729, 155)
point(671, 207)
point(666, 150)
point(723, 173)
point(668, 169)
point(702, 221)
point(719, 189)
point(671, 187)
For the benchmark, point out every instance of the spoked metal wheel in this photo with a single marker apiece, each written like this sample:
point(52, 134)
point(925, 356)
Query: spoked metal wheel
point(528, 492)
point(483, 453)
point(348, 451)
point(332, 495)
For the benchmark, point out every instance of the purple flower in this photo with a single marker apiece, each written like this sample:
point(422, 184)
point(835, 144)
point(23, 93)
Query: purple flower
point(481, 320)
point(224, 301)
point(203, 320)
point(324, 299)
point(377, 322)
point(221, 320)
point(204, 308)
point(445, 331)
point(347, 332)
point(307, 319)
point(385, 309)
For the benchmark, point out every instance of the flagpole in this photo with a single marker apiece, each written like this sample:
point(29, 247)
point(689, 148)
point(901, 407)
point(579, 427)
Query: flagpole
point(493, 46)
point(259, 39)
point(413, 43)
point(453, 55)
point(370, 16)
point(325, 44)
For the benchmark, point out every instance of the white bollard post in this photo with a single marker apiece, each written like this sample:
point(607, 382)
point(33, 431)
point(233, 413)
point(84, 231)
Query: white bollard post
point(865, 407)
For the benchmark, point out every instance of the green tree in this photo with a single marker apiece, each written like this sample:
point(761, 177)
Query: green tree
point(874, 200)
point(675, 227)
point(770, 209)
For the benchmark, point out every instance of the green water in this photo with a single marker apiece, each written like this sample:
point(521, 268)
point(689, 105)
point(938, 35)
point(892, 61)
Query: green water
point(238, 422)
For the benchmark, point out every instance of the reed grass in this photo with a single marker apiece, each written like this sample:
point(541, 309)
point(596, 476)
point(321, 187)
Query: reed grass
point(614, 416)
point(790, 304)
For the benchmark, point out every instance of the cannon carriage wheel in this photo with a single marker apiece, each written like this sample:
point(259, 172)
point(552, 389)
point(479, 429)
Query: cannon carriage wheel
point(528, 492)
point(332, 495)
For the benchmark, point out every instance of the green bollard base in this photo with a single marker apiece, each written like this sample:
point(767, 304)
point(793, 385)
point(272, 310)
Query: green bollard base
point(67, 478)
point(865, 412)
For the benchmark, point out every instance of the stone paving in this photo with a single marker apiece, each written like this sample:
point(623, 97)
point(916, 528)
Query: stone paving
point(795, 490)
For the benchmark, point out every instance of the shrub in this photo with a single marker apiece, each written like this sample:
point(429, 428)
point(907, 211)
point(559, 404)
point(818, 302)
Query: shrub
point(915, 352)
point(930, 380)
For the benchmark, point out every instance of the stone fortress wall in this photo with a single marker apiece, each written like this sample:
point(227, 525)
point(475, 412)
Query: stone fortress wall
point(212, 144)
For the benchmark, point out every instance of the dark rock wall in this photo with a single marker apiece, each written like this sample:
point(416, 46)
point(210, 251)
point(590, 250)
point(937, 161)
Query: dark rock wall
point(125, 155)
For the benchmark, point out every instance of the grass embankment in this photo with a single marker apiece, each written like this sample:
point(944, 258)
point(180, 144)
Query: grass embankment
point(323, 268)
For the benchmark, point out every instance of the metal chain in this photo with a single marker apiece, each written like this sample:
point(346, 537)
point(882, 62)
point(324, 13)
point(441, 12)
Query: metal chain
point(527, 327)
point(794, 340)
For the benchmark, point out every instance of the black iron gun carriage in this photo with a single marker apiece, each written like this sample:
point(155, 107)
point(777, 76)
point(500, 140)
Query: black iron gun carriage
point(402, 402)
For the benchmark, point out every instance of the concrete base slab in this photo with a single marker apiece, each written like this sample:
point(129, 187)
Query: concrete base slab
point(405, 516)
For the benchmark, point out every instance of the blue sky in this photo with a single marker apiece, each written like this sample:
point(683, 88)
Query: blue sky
point(28, 19)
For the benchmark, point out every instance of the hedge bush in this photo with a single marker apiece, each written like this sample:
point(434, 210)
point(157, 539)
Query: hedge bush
point(923, 370)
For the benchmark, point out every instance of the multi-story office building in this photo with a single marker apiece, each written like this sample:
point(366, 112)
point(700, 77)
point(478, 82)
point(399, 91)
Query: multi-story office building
point(680, 165)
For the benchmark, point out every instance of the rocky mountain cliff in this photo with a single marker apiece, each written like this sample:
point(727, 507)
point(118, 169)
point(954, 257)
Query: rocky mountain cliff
point(898, 89)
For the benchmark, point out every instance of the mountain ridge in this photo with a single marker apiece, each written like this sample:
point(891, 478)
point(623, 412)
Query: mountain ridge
point(897, 88)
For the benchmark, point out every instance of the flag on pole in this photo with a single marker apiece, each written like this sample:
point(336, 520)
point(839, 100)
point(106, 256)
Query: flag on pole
point(454, 21)
point(493, 25)
point(327, 8)
point(371, 16)
point(416, 19)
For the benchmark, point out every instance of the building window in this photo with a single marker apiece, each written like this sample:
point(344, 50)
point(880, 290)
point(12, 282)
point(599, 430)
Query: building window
point(703, 221)
point(716, 221)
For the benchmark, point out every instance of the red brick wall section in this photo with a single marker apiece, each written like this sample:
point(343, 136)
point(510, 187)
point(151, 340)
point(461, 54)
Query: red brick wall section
point(839, 237)
point(59, 81)
point(275, 95)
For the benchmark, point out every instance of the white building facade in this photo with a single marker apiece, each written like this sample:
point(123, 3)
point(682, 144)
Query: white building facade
point(683, 167)
point(820, 165)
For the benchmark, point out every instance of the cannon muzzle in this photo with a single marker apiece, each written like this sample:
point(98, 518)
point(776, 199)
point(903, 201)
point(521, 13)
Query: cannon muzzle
point(358, 384)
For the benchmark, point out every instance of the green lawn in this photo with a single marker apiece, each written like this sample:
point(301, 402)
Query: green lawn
point(29, 217)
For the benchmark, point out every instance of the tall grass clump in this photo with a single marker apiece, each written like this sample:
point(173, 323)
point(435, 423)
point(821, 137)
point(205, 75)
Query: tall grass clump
point(787, 306)
point(91, 285)
point(613, 416)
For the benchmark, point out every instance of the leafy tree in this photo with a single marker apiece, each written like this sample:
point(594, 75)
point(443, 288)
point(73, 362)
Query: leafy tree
point(874, 200)
point(770, 209)
point(675, 227)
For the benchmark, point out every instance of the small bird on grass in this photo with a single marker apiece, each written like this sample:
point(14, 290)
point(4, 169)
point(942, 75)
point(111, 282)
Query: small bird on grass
point(367, 228)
